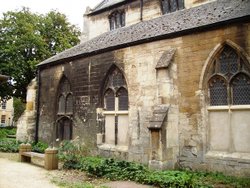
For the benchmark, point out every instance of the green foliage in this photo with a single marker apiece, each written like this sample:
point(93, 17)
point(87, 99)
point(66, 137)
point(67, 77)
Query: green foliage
point(70, 152)
point(39, 147)
point(12, 146)
point(19, 108)
point(122, 170)
point(73, 157)
point(27, 39)
point(9, 145)
point(7, 131)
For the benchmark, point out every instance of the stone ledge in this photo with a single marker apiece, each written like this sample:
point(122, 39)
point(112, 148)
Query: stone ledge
point(239, 157)
point(110, 147)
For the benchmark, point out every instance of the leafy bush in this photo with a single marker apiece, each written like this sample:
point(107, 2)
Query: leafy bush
point(4, 131)
point(9, 145)
point(73, 157)
point(39, 147)
point(71, 152)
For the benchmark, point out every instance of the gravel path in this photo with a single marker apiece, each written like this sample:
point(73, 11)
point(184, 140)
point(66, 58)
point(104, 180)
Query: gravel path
point(21, 175)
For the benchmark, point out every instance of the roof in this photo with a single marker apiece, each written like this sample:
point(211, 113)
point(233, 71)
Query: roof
point(106, 4)
point(170, 25)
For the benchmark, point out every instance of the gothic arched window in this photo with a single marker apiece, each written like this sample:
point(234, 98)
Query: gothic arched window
point(65, 98)
point(229, 101)
point(115, 99)
point(116, 88)
point(64, 111)
point(229, 83)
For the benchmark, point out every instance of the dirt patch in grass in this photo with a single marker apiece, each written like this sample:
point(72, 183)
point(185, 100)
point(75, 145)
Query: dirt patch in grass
point(71, 177)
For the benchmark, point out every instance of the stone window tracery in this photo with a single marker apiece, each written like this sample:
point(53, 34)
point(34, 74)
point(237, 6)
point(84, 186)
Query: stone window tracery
point(116, 88)
point(228, 79)
point(169, 6)
point(65, 99)
point(229, 83)
point(122, 99)
point(115, 103)
point(117, 19)
point(64, 110)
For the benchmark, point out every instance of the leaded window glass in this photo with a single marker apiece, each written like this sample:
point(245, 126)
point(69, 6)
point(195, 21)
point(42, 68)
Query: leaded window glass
point(118, 79)
point(61, 105)
point(115, 87)
point(65, 98)
point(69, 104)
point(228, 61)
point(241, 89)
point(123, 99)
point(229, 81)
point(109, 100)
point(218, 91)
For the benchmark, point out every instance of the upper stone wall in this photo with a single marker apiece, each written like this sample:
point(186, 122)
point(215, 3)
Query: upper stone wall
point(176, 23)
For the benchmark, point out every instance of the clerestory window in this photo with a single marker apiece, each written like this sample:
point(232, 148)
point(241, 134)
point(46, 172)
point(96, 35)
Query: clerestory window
point(117, 19)
point(169, 6)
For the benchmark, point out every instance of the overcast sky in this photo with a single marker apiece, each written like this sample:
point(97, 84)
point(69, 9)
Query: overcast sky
point(73, 9)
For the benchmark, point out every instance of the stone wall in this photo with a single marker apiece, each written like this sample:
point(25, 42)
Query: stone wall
point(176, 85)
point(26, 124)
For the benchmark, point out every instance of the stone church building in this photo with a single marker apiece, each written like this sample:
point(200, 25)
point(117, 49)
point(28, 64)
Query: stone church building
point(160, 82)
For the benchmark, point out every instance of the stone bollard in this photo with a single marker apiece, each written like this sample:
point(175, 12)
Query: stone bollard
point(24, 148)
point(51, 160)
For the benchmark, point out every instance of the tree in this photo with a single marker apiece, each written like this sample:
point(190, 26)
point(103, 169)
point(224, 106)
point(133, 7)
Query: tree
point(26, 39)
point(19, 108)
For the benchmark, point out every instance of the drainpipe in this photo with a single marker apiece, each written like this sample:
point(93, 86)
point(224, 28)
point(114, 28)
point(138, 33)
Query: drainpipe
point(37, 105)
point(141, 10)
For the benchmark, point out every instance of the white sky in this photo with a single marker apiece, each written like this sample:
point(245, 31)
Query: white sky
point(73, 9)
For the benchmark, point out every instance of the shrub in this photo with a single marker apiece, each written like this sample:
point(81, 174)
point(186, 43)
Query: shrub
point(73, 157)
point(39, 147)
point(4, 131)
point(71, 152)
point(9, 145)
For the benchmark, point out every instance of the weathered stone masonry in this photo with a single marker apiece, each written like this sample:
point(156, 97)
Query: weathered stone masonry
point(163, 61)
